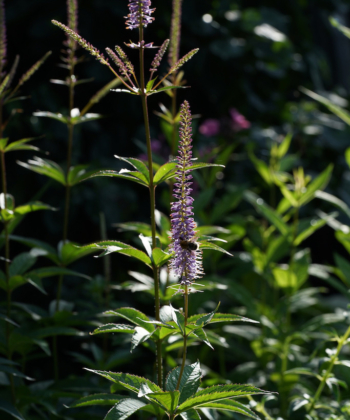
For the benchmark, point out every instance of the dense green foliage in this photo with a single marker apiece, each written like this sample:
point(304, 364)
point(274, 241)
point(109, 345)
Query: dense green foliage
point(272, 187)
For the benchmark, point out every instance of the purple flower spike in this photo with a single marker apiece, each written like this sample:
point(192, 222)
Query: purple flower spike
point(140, 14)
point(187, 262)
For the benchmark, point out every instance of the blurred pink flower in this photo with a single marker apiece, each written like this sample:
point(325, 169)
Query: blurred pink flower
point(239, 122)
point(210, 127)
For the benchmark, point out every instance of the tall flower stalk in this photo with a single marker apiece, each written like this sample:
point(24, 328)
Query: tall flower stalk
point(187, 260)
point(139, 17)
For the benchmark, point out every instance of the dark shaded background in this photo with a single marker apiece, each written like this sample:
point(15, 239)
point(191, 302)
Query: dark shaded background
point(235, 68)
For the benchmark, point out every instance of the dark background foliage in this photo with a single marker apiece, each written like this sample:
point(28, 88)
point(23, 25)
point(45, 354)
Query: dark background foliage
point(235, 68)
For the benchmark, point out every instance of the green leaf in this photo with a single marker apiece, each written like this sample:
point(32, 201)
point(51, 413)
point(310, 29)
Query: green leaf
point(30, 207)
point(134, 316)
point(116, 246)
point(77, 174)
point(271, 215)
point(130, 382)
point(166, 400)
point(21, 145)
point(234, 406)
point(45, 167)
point(150, 85)
point(217, 393)
point(124, 409)
point(166, 88)
point(21, 263)
point(190, 415)
point(55, 271)
point(318, 183)
point(334, 200)
point(69, 252)
point(220, 318)
point(201, 334)
point(114, 328)
point(190, 381)
point(10, 409)
point(140, 336)
point(212, 246)
point(342, 28)
point(55, 116)
point(284, 146)
point(52, 331)
point(168, 170)
point(138, 165)
point(97, 399)
point(163, 172)
point(79, 119)
point(47, 250)
point(314, 226)
point(179, 319)
point(114, 174)
point(262, 168)
point(160, 257)
point(138, 227)
point(335, 109)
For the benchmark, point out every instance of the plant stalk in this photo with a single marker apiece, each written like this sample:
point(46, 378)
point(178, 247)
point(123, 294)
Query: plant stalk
point(334, 358)
point(185, 340)
point(152, 198)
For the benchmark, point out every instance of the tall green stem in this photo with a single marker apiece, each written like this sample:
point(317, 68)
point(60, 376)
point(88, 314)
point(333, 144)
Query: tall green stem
point(334, 358)
point(152, 199)
point(70, 127)
point(184, 354)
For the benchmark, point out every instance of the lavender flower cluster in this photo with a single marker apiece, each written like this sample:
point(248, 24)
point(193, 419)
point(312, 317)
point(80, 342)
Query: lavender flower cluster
point(186, 263)
point(140, 14)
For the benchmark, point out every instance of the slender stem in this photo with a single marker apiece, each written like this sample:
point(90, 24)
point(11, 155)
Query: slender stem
point(174, 113)
point(184, 354)
point(334, 358)
point(152, 199)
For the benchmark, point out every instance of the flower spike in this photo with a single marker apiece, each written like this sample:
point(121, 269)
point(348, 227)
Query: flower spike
point(140, 14)
point(158, 57)
point(186, 262)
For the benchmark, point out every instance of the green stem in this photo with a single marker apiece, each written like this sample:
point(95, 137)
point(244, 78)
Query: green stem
point(334, 358)
point(184, 354)
point(152, 199)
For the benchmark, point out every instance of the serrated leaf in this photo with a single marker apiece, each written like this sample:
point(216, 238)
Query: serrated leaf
point(134, 316)
point(124, 409)
point(127, 381)
point(140, 336)
point(48, 250)
point(234, 406)
point(116, 246)
point(114, 328)
point(218, 317)
point(168, 170)
point(137, 164)
point(201, 334)
point(21, 264)
point(115, 174)
point(166, 400)
point(190, 415)
point(45, 167)
point(213, 247)
point(189, 383)
point(69, 252)
point(179, 319)
point(217, 393)
point(97, 399)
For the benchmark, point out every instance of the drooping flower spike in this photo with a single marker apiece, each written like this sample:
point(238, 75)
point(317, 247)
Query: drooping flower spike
point(140, 14)
point(186, 262)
